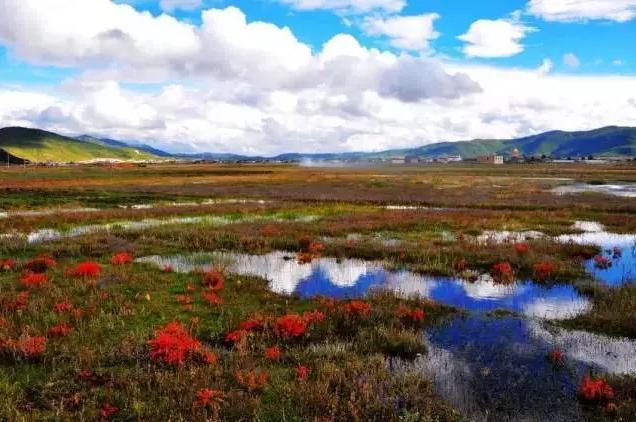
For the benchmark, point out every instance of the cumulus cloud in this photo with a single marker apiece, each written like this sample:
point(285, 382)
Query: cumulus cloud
point(576, 10)
point(571, 61)
point(348, 6)
point(404, 32)
point(546, 67)
point(495, 38)
point(172, 5)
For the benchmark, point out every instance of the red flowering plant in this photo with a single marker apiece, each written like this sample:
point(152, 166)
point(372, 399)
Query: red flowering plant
point(597, 390)
point(62, 307)
point(168, 268)
point(60, 330)
point(214, 280)
point(357, 308)
point(29, 347)
point(602, 262)
point(253, 380)
point(209, 398)
point(502, 273)
point(121, 258)
point(252, 324)
point(543, 270)
point(173, 345)
point(107, 411)
point(40, 264)
point(302, 372)
point(20, 302)
point(556, 357)
point(522, 248)
point(211, 298)
point(290, 326)
point(313, 317)
point(31, 280)
point(235, 337)
point(7, 264)
point(273, 353)
point(86, 269)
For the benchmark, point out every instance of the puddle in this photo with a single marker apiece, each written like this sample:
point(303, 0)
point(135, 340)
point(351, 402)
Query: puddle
point(349, 278)
point(496, 369)
point(44, 235)
point(40, 213)
point(625, 190)
point(196, 204)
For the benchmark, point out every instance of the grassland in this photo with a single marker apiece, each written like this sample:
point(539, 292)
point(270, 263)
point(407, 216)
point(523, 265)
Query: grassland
point(336, 369)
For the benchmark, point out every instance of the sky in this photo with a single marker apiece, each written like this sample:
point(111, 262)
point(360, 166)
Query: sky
point(263, 77)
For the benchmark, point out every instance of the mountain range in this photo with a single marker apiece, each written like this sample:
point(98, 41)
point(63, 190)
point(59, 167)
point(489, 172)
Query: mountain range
point(19, 144)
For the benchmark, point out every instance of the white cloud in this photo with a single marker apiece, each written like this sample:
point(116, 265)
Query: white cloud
point(570, 60)
point(495, 38)
point(172, 5)
point(576, 10)
point(546, 67)
point(348, 6)
point(404, 32)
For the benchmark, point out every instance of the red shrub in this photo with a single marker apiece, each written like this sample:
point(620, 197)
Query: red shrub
point(30, 347)
point(313, 317)
point(251, 324)
point(602, 262)
point(7, 264)
point(121, 258)
point(522, 248)
point(273, 353)
point(86, 269)
point(212, 298)
point(595, 390)
point(60, 330)
point(214, 280)
point(502, 272)
point(20, 303)
point(107, 411)
point(33, 280)
point(209, 398)
point(543, 270)
point(357, 308)
point(62, 307)
point(235, 336)
point(173, 344)
point(302, 372)
point(40, 264)
point(252, 380)
point(290, 326)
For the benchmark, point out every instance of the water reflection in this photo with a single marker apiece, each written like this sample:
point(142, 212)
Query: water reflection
point(625, 190)
point(496, 368)
point(354, 278)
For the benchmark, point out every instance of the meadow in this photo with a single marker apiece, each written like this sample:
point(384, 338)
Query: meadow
point(278, 292)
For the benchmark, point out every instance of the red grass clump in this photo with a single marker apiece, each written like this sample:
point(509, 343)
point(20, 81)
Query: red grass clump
point(290, 326)
point(86, 269)
point(357, 308)
point(302, 372)
point(543, 270)
point(252, 380)
point(121, 258)
point(208, 397)
point(595, 390)
point(62, 307)
point(60, 330)
point(502, 272)
point(173, 344)
point(32, 280)
point(7, 264)
point(273, 353)
point(214, 280)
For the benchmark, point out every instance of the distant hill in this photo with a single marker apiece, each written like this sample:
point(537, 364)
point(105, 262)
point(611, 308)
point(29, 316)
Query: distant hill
point(121, 144)
point(39, 146)
point(35, 145)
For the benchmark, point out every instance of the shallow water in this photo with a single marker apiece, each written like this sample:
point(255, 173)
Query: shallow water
point(44, 235)
point(497, 368)
point(349, 278)
point(625, 190)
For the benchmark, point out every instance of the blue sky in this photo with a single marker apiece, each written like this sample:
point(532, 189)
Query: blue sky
point(348, 75)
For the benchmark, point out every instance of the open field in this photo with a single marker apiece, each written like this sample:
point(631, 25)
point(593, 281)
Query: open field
point(434, 293)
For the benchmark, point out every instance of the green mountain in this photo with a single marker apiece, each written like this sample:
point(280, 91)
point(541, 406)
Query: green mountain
point(38, 146)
